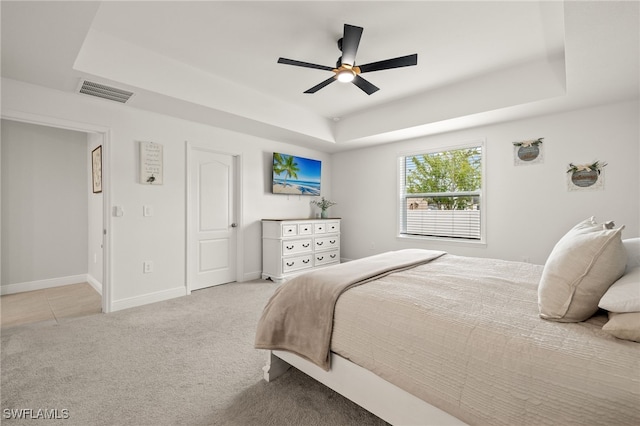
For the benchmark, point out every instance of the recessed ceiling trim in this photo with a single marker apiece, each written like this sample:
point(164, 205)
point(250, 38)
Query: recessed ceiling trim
point(103, 91)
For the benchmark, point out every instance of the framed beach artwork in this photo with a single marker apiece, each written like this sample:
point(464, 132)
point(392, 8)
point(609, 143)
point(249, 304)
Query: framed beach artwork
point(296, 175)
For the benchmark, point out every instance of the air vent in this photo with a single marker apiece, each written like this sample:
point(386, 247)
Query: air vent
point(104, 92)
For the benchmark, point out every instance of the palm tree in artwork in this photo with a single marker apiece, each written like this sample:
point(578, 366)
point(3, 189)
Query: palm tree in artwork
point(278, 163)
point(289, 167)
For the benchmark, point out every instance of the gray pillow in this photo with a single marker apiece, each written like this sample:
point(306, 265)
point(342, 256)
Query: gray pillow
point(633, 252)
point(624, 294)
point(624, 326)
point(580, 269)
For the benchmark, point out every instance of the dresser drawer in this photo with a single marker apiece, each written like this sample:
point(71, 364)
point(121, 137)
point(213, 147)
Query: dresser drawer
point(296, 246)
point(319, 228)
point(326, 257)
point(305, 229)
point(289, 230)
point(326, 243)
point(297, 262)
point(332, 227)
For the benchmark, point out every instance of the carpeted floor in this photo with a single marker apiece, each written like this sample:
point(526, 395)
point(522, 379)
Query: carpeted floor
point(186, 361)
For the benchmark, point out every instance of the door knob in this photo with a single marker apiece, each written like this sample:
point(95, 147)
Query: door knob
point(234, 225)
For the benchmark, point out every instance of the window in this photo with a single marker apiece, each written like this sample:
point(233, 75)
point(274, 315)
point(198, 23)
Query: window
point(440, 194)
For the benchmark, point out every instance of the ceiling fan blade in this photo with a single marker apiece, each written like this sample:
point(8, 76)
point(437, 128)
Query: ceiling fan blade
point(317, 87)
point(303, 64)
point(402, 61)
point(366, 87)
point(350, 43)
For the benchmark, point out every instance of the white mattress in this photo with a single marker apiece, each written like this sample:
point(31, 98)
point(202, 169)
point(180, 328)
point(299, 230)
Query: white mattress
point(464, 335)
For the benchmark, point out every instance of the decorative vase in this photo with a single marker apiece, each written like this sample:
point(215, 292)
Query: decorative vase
point(324, 214)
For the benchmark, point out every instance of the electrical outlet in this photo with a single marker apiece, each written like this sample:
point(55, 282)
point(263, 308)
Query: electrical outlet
point(147, 267)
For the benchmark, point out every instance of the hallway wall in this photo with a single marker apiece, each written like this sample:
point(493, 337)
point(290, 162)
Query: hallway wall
point(44, 203)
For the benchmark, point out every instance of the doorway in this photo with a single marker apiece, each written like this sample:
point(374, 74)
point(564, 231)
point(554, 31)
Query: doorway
point(212, 212)
point(100, 254)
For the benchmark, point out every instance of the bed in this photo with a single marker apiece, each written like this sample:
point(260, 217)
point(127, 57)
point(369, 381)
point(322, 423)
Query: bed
point(426, 337)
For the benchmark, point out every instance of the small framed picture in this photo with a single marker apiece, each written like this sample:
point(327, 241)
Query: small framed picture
point(96, 169)
point(151, 163)
point(585, 177)
point(528, 152)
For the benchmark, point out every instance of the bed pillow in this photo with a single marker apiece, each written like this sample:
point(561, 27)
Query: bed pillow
point(624, 326)
point(579, 270)
point(624, 294)
point(633, 252)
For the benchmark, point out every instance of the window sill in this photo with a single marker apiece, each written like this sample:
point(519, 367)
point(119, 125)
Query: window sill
point(445, 241)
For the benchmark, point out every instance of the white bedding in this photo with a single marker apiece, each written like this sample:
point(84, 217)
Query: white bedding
point(464, 334)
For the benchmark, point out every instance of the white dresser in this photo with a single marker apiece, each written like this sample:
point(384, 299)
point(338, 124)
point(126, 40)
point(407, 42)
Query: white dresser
point(291, 247)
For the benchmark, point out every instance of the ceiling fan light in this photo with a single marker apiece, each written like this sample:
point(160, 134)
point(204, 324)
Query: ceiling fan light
point(346, 76)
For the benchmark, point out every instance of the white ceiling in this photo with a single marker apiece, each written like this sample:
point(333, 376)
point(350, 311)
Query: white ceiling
point(216, 62)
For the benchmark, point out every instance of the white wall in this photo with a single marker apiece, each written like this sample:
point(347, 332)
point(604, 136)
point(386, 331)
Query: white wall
point(44, 203)
point(95, 220)
point(161, 238)
point(528, 208)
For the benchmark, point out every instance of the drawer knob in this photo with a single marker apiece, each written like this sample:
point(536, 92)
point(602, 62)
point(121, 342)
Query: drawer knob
point(289, 247)
point(291, 264)
point(305, 245)
point(332, 242)
point(319, 243)
point(320, 258)
point(306, 261)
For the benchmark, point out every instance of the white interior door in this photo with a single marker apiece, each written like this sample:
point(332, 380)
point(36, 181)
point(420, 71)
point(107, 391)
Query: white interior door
point(213, 239)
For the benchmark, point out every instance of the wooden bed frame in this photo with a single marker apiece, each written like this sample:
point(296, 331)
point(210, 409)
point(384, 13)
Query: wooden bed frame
point(363, 387)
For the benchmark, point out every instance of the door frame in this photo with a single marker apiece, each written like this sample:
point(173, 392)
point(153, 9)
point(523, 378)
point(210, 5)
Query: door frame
point(189, 258)
point(105, 132)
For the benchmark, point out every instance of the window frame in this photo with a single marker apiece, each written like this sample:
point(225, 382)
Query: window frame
point(401, 196)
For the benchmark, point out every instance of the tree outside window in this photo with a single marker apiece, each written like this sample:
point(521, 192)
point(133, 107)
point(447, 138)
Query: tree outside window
point(440, 193)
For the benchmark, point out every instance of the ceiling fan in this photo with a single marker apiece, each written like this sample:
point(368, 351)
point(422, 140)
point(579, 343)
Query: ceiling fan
point(346, 70)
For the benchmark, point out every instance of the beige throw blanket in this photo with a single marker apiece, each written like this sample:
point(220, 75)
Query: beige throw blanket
point(299, 316)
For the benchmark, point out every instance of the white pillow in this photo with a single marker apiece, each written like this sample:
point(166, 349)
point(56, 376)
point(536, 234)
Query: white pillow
point(580, 269)
point(624, 326)
point(632, 245)
point(624, 294)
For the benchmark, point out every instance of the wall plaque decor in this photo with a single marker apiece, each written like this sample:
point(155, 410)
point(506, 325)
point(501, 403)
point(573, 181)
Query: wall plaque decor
point(528, 152)
point(96, 169)
point(582, 177)
point(151, 163)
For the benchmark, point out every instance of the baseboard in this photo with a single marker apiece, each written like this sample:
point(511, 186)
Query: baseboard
point(250, 276)
point(41, 284)
point(145, 299)
point(97, 285)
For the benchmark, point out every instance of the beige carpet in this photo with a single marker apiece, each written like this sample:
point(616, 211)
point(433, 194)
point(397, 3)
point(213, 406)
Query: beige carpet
point(186, 361)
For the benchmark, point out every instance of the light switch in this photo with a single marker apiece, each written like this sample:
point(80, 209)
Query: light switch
point(118, 211)
point(147, 211)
